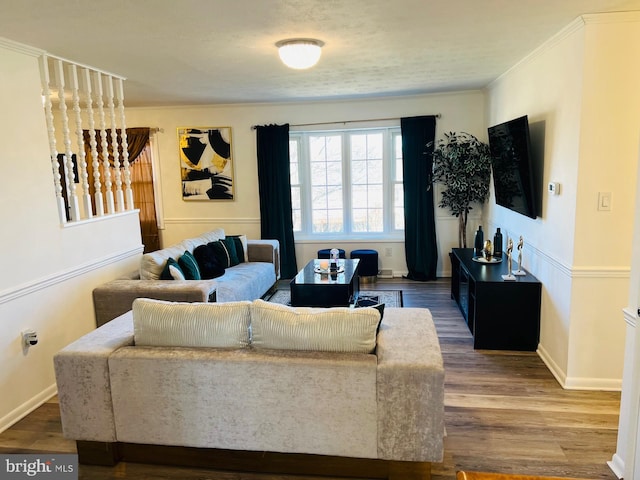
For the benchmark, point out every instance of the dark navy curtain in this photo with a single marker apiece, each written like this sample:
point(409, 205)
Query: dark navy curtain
point(420, 245)
point(274, 184)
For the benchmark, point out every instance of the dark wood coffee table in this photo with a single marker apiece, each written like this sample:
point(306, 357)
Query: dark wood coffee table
point(312, 289)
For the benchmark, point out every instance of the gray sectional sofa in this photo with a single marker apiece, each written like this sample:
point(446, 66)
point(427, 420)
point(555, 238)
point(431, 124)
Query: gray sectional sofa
point(122, 387)
point(248, 280)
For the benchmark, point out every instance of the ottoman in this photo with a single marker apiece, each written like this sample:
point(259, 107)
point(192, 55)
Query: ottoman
point(368, 269)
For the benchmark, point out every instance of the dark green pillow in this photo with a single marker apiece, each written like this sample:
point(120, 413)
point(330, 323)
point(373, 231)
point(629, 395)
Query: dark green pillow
point(221, 253)
point(189, 266)
point(166, 271)
point(239, 247)
point(231, 248)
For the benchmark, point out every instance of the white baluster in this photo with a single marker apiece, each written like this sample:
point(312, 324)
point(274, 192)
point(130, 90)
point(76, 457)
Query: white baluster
point(74, 211)
point(97, 196)
point(105, 145)
point(114, 144)
point(81, 158)
point(55, 166)
point(125, 146)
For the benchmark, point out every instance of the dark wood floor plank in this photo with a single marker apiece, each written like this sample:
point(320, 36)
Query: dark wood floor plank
point(504, 412)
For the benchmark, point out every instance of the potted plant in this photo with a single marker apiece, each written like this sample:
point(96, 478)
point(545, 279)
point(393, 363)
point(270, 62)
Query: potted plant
point(462, 163)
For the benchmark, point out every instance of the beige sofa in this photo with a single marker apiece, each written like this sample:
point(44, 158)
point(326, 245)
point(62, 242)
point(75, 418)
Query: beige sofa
point(247, 281)
point(385, 406)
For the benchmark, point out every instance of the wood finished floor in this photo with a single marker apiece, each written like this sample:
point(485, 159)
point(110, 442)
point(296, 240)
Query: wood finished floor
point(504, 413)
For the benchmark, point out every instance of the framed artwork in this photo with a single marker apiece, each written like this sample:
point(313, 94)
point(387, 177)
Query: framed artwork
point(206, 163)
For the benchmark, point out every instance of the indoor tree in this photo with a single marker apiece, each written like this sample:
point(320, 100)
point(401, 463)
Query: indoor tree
point(462, 163)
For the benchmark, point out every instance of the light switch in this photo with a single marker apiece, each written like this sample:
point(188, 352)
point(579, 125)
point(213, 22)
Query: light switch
point(604, 201)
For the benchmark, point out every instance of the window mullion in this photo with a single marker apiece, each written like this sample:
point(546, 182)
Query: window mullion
point(346, 179)
point(305, 197)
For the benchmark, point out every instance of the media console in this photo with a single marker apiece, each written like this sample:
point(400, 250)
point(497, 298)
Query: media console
point(502, 315)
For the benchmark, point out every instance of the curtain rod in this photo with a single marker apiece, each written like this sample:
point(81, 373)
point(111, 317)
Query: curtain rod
point(253, 127)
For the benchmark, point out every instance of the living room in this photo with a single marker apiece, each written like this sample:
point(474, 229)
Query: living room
point(583, 93)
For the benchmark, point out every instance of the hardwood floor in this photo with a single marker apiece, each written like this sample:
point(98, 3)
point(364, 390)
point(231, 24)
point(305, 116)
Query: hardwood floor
point(504, 413)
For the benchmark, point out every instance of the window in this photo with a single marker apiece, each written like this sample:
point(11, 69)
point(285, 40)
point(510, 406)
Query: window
point(347, 182)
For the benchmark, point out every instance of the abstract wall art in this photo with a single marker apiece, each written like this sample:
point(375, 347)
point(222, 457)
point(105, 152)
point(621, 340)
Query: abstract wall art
point(206, 163)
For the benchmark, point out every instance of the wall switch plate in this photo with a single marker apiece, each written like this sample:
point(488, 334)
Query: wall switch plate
point(604, 201)
point(553, 188)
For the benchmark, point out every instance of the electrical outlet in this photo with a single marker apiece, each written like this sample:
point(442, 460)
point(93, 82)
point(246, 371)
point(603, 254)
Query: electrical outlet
point(604, 201)
point(388, 252)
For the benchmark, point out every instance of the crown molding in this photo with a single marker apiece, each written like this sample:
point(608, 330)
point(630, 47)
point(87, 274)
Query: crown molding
point(20, 47)
point(611, 17)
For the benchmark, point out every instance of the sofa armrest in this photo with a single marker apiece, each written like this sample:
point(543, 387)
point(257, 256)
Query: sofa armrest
point(82, 378)
point(265, 251)
point(410, 387)
point(116, 297)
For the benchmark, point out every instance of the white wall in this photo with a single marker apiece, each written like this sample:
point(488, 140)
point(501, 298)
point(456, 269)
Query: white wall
point(581, 87)
point(49, 270)
point(460, 112)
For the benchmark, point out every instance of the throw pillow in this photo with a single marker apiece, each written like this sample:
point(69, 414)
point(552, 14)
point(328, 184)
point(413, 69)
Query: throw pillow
point(221, 253)
point(176, 324)
point(337, 329)
point(230, 244)
point(172, 271)
point(189, 266)
point(208, 263)
point(241, 247)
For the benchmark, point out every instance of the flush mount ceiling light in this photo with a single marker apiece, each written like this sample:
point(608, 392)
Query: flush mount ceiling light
point(300, 53)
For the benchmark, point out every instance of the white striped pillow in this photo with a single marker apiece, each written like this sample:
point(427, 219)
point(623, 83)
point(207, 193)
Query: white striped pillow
point(337, 329)
point(175, 324)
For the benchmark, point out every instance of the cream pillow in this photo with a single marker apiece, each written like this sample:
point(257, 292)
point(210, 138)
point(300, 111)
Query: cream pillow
point(337, 329)
point(175, 324)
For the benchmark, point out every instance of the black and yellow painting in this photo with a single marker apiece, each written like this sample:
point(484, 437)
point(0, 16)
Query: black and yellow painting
point(206, 163)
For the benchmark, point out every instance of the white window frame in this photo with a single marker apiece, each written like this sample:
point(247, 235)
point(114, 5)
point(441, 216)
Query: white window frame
point(301, 138)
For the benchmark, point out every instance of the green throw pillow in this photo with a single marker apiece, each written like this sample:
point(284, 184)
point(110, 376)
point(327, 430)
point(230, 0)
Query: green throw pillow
point(172, 271)
point(230, 244)
point(189, 266)
point(237, 241)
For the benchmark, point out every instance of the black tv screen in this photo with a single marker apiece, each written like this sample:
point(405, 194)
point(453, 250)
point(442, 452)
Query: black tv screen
point(511, 163)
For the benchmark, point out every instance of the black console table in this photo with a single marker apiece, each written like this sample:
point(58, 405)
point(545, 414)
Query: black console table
point(502, 315)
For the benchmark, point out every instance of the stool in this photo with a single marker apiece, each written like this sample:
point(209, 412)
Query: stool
point(368, 269)
point(326, 253)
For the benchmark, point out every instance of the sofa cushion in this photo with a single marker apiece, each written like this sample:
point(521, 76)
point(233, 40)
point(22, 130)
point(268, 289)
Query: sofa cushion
point(230, 245)
point(338, 329)
point(241, 247)
point(222, 254)
point(152, 263)
point(172, 271)
point(208, 262)
point(176, 324)
point(189, 266)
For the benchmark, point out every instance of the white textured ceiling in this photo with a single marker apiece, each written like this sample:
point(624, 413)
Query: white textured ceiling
point(178, 52)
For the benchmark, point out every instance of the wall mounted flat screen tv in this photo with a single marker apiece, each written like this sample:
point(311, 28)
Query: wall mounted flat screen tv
point(511, 163)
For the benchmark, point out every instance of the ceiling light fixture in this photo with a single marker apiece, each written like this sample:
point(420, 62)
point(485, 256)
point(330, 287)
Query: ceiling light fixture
point(300, 53)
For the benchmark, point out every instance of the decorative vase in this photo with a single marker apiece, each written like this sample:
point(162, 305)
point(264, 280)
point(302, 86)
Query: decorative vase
point(479, 241)
point(497, 244)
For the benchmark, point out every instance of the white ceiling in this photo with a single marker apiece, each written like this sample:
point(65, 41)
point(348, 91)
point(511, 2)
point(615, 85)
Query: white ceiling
point(178, 52)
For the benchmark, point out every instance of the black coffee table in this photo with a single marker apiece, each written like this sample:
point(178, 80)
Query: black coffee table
point(312, 289)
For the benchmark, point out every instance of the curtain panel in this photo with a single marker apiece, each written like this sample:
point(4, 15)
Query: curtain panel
point(137, 140)
point(274, 184)
point(421, 251)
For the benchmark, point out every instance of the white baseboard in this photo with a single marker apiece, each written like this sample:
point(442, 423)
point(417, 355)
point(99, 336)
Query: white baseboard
point(577, 383)
point(553, 367)
point(616, 464)
point(26, 408)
